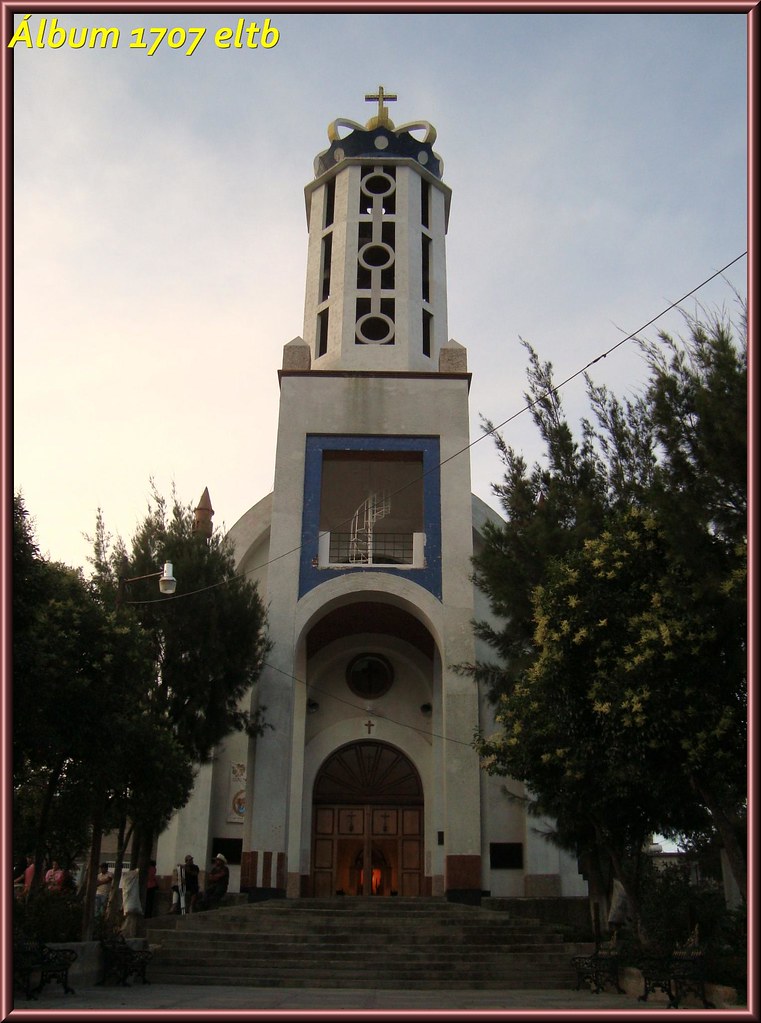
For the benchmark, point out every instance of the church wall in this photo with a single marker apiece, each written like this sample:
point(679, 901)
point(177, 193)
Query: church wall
point(412, 686)
point(250, 537)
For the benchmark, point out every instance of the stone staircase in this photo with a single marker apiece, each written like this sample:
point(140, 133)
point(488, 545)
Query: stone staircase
point(377, 943)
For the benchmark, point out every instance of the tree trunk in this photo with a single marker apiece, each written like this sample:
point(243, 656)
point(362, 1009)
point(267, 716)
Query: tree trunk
point(42, 825)
point(88, 902)
point(114, 904)
point(597, 883)
point(728, 834)
point(629, 887)
point(143, 861)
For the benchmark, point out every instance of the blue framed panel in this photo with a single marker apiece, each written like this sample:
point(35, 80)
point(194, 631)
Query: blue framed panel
point(310, 575)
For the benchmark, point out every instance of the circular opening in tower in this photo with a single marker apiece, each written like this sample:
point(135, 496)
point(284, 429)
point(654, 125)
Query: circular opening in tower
point(378, 183)
point(376, 256)
point(375, 329)
point(369, 676)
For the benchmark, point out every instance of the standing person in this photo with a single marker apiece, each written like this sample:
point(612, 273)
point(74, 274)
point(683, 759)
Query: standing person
point(104, 882)
point(216, 883)
point(67, 881)
point(26, 876)
point(192, 871)
point(54, 877)
point(150, 889)
point(187, 885)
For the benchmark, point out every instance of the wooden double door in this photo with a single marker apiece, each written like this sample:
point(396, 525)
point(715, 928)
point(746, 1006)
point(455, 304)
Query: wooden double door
point(367, 823)
point(367, 850)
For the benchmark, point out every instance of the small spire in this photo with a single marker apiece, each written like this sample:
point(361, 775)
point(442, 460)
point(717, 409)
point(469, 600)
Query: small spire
point(202, 524)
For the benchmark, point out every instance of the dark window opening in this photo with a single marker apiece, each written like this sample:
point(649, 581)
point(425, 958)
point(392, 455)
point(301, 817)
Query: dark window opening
point(377, 255)
point(427, 324)
point(363, 307)
point(322, 332)
point(388, 278)
point(330, 200)
point(425, 200)
point(369, 676)
point(231, 849)
point(365, 234)
point(376, 329)
point(378, 186)
point(327, 250)
point(387, 307)
point(388, 233)
point(506, 855)
point(426, 253)
point(364, 278)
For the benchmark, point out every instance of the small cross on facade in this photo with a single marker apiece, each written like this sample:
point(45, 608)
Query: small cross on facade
point(369, 725)
point(379, 96)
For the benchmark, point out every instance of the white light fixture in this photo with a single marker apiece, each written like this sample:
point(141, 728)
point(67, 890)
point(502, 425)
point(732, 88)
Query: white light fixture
point(167, 582)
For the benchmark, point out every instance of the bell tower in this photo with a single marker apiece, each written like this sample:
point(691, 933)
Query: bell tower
point(370, 543)
point(376, 273)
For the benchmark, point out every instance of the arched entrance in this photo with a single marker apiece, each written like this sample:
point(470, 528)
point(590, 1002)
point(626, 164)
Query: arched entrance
point(367, 830)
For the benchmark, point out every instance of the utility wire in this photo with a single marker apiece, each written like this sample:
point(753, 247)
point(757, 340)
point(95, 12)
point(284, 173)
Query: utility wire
point(485, 433)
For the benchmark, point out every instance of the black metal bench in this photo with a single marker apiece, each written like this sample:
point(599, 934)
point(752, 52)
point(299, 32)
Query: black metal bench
point(676, 974)
point(598, 969)
point(120, 961)
point(32, 957)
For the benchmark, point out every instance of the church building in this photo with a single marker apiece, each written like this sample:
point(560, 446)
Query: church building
point(366, 782)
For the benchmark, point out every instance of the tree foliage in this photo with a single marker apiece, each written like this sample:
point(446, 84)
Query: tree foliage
point(120, 693)
point(207, 643)
point(619, 578)
point(74, 669)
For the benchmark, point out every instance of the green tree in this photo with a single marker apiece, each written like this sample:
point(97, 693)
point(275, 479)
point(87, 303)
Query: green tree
point(74, 668)
point(551, 508)
point(206, 646)
point(636, 724)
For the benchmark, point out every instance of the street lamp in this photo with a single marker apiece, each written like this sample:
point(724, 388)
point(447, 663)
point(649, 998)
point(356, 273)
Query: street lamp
point(167, 582)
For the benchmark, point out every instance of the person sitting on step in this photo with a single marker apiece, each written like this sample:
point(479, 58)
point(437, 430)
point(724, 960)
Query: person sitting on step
point(217, 881)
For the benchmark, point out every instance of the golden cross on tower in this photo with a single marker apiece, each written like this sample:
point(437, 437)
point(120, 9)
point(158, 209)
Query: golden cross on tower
point(380, 96)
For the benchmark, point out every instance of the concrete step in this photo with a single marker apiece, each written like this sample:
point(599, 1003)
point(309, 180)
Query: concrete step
point(369, 971)
point(362, 943)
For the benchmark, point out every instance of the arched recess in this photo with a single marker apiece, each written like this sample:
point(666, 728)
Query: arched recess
point(367, 831)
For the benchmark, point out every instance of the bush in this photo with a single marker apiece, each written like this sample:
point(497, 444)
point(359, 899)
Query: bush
point(727, 953)
point(49, 916)
point(670, 909)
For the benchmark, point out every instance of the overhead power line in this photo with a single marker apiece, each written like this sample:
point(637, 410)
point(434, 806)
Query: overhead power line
point(486, 433)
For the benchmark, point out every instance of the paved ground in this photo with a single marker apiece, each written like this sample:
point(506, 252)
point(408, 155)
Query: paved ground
point(214, 1000)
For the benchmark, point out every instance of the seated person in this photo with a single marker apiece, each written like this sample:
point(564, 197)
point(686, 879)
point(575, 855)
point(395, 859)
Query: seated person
point(216, 883)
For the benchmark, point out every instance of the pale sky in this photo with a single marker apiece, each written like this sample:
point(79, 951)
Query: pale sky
point(598, 169)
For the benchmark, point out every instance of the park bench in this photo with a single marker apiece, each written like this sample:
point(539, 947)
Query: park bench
point(31, 957)
point(121, 961)
point(676, 974)
point(599, 968)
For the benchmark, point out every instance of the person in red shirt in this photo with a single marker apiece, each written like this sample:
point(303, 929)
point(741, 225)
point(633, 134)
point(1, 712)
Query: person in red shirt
point(150, 891)
point(27, 877)
point(54, 877)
